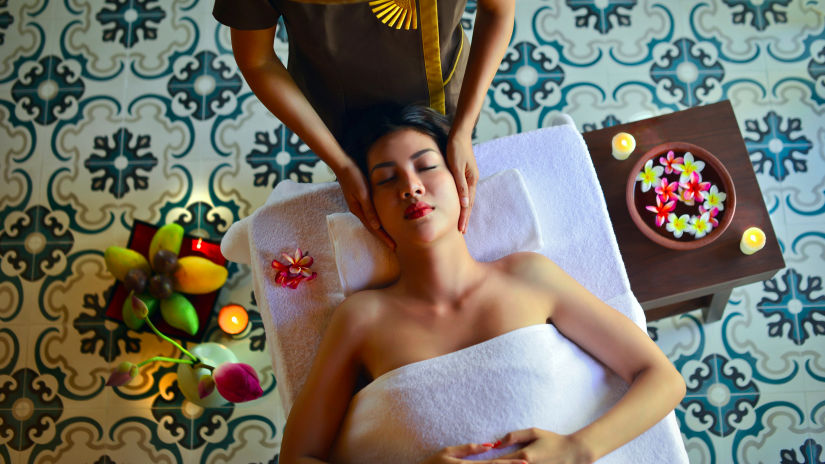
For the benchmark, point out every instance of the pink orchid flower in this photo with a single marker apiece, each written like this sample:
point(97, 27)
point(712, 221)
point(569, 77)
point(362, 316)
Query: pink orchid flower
point(122, 374)
point(669, 161)
point(712, 213)
point(694, 187)
point(667, 191)
point(295, 271)
point(662, 210)
point(237, 382)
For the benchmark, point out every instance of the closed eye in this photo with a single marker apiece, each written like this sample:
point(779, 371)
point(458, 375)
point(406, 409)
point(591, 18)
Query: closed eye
point(427, 168)
point(386, 181)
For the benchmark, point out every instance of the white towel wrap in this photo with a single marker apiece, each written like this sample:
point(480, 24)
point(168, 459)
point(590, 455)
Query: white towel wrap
point(530, 377)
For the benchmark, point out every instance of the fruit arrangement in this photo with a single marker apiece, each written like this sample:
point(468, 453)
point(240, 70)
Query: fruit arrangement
point(164, 278)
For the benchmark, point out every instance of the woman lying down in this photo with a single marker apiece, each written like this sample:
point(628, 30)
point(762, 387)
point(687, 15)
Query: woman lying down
point(484, 333)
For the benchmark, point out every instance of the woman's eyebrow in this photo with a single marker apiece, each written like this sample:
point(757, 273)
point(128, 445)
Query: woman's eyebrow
point(392, 163)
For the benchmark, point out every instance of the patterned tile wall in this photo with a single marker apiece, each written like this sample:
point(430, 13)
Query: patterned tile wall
point(113, 111)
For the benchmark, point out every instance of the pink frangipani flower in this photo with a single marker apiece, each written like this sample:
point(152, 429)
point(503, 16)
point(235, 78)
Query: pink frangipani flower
point(662, 210)
point(295, 271)
point(237, 382)
point(669, 161)
point(694, 187)
point(667, 191)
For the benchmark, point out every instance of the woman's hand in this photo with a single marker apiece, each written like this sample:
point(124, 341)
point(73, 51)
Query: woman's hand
point(462, 163)
point(357, 195)
point(546, 447)
point(454, 455)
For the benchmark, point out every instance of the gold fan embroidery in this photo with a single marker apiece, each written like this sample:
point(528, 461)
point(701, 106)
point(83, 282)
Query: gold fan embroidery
point(396, 13)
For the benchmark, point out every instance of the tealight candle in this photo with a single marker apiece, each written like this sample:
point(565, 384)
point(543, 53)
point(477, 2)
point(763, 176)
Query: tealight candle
point(233, 319)
point(623, 145)
point(752, 240)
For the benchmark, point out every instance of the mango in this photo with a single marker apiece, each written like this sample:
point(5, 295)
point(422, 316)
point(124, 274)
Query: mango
point(168, 237)
point(196, 275)
point(129, 317)
point(178, 312)
point(119, 261)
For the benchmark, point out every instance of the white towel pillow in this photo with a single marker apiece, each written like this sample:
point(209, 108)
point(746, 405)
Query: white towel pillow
point(503, 221)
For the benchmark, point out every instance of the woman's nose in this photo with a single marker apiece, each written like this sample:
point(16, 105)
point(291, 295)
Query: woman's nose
point(412, 188)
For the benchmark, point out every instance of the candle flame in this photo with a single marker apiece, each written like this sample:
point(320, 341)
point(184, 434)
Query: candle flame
point(198, 246)
point(753, 237)
point(623, 142)
point(235, 319)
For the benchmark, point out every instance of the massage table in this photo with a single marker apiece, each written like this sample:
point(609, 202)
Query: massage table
point(544, 185)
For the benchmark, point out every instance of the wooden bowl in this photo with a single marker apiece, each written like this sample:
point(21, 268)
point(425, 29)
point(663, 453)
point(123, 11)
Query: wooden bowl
point(713, 172)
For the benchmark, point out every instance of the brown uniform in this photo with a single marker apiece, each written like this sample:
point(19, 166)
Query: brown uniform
point(346, 55)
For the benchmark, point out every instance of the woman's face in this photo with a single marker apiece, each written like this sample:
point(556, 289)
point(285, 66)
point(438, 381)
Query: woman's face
point(412, 189)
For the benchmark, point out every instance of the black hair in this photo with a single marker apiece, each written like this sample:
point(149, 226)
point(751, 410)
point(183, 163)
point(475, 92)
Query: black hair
point(369, 125)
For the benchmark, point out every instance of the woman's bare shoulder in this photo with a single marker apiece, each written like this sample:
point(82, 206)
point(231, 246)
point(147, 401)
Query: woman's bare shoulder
point(529, 266)
point(360, 310)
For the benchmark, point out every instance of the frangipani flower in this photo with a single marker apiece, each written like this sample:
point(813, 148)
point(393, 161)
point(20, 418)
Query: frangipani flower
point(650, 175)
point(694, 187)
point(237, 382)
point(295, 271)
point(669, 161)
point(688, 166)
point(701, 225)
point(715, 199)
point(684, 199)
point(662, 210)
point(712, 213)
point(122, 374)
point(678, 225)
point(667, 191)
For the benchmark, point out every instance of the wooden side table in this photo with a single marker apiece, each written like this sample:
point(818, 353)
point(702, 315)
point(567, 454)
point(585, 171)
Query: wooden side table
point(665, 281)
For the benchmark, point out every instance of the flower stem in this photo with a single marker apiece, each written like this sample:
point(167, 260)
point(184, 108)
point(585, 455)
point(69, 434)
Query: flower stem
point(164, 358)
point(187, 353)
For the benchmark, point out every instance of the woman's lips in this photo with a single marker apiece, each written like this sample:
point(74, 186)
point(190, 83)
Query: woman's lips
point(417, 210)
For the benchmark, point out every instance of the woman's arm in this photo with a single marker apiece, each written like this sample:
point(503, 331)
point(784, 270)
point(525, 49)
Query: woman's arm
point(319, 409)
point(275, 88)
point(491, 34)
point(656, 387)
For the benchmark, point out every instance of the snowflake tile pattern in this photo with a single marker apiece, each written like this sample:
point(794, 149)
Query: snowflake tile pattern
point(117, 110)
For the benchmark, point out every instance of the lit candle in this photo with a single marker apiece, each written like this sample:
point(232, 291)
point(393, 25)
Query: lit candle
point(752, 240)
point(623, 145)
point(233, 319)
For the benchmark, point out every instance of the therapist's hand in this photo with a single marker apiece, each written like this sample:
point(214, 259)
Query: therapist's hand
point(543, 446)
point(462, 164)
point(455, 455)
point(357, 195)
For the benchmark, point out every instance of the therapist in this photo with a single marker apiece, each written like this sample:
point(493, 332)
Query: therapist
point(347, 55)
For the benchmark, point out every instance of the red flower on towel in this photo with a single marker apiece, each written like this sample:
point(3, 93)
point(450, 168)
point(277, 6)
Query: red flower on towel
point(295, 270)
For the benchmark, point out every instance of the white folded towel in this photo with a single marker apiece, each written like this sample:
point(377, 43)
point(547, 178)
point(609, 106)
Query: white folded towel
point(503, 222)
point(529, 377)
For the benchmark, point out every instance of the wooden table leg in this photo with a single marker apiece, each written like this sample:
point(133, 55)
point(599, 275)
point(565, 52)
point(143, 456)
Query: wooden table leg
point(717, 306)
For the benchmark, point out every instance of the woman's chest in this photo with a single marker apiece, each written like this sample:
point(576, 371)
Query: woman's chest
point(410, 334)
